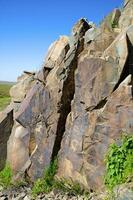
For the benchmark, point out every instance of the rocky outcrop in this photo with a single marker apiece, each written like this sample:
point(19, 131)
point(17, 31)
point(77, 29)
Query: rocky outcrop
point(43, 112)
point(77, 104)
point(101, 111)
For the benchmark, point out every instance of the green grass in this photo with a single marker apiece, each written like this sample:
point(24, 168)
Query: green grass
point(47, 183)
point(4, 95)
point(6, 176)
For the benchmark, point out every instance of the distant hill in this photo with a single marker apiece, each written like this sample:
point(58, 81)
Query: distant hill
point(7, 83)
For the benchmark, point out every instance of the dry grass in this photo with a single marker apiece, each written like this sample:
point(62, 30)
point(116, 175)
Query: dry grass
point(4, 95)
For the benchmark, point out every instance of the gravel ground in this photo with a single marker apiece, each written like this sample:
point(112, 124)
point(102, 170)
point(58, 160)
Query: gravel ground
point(24, 193)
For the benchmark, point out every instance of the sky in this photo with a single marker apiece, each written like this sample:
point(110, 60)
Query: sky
point(28, 27)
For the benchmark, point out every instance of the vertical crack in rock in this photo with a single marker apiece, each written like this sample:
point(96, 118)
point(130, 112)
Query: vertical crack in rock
point(128, 68)
point(130, 59)
point(68, 95)
point(65, 107)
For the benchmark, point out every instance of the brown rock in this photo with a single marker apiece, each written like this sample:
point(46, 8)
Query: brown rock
point(97, 116)
point(118, 51)
point(6, 124)
point(126, 18)
point(18, 150)
point(77, 105)
point(88, 136)
point(56, 52)
point(24, 83)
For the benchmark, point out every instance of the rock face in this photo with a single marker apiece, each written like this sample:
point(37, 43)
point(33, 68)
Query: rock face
point(44, 110)
point(6, 124)
point(24, 83)
point(77, 104)
point(126, 18)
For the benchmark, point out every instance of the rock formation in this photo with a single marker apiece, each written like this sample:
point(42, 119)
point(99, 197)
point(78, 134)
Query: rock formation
point(77, 104)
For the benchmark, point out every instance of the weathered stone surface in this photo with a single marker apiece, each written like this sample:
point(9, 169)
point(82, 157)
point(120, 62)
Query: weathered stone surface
point(98, 79)
point(80, 28)
point(130, 34)
point(24, 83)
point(124, 191)
point(88, 135)
point(6, 124)
point(97, 40)
point(57, 52)
point(118, 52)
point(126, 18)
point(98, 76)
point(91, 34)
point(18, 150)
point(110, 21)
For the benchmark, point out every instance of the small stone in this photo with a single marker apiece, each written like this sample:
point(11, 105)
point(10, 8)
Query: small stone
point(27, 198)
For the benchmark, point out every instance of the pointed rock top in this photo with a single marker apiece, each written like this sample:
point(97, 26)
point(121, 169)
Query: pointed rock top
point(81, 26)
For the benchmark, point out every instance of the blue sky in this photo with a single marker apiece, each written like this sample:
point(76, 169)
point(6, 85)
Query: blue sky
point(28, 27)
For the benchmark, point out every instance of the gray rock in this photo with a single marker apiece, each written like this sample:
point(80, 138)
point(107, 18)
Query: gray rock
point(130, 34)
point(91, 35)
point(124, 192)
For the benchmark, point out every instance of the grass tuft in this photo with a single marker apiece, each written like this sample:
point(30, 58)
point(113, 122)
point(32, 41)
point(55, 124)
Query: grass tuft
point(6, 176)
point(45, 184)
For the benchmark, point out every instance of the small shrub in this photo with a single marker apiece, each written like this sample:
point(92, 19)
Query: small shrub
point(119, 162)
point(48, 183)
point(114, 24)
point(45, 184)
point(69, 186)
point(6, 176)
